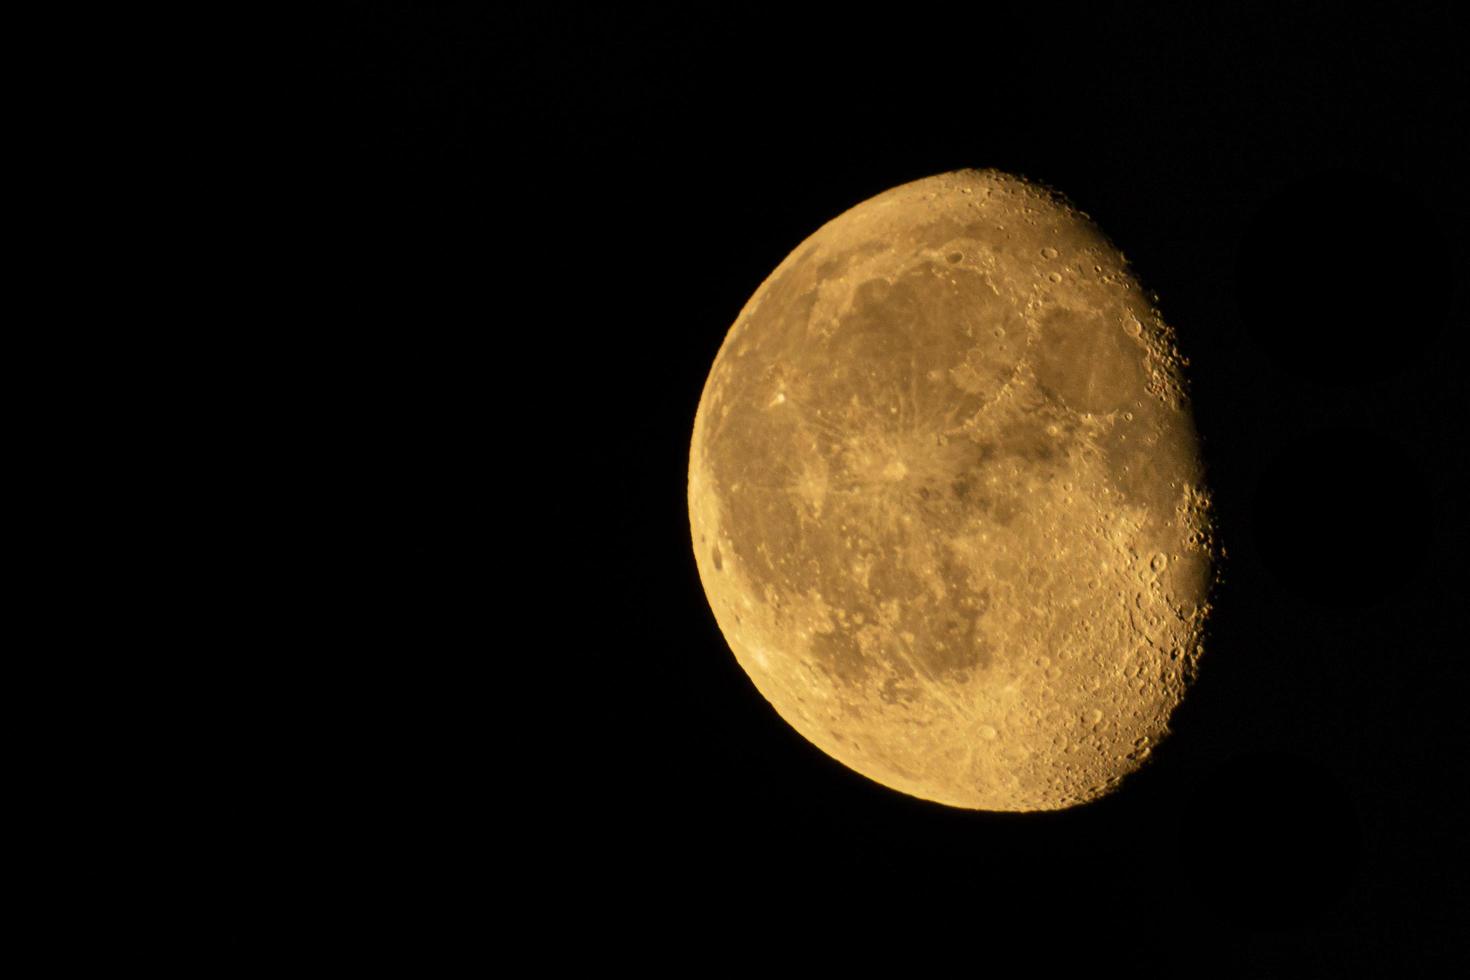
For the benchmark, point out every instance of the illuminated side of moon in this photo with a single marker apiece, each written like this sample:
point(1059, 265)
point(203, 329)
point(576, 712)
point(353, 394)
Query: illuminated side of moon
point(946, 498)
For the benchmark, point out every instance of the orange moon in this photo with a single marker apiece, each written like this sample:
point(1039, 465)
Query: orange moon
point(947, 502)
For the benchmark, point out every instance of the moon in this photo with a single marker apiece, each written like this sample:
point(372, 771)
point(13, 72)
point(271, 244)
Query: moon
point(947, 501)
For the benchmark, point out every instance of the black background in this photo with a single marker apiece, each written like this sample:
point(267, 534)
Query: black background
point(529, 229)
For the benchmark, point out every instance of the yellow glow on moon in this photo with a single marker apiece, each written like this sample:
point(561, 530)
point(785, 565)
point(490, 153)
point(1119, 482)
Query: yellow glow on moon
point(946, 498)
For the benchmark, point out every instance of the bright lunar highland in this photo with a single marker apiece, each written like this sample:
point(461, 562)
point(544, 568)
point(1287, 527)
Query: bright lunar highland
point(946, 497)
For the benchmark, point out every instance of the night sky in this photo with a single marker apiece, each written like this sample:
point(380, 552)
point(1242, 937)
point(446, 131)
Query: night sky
point(529, 230)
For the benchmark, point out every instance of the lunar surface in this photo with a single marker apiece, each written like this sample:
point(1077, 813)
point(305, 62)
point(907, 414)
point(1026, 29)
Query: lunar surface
point(946, 498)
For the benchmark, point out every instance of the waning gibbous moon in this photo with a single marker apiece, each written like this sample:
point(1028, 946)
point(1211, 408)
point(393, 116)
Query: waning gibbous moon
point(947, 502)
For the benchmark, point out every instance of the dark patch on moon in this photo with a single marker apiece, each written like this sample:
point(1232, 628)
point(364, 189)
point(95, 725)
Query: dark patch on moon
point(1084, 362)
point(951, 649)
point(839, 654)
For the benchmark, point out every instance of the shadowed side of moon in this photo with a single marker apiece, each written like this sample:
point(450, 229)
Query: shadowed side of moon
point(945, 498)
